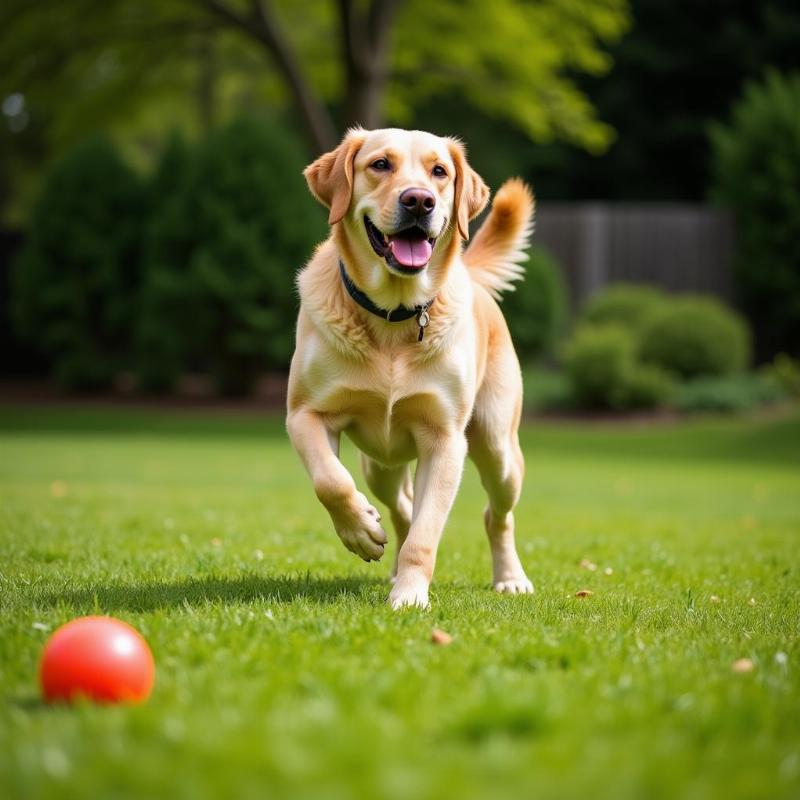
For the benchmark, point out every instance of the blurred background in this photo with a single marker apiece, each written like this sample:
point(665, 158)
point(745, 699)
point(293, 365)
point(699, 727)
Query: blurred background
point(153, 215)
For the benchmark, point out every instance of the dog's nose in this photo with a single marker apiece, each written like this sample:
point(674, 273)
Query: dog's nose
point(418, 201)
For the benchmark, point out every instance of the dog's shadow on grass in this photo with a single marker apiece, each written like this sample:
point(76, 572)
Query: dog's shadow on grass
point(191, 592)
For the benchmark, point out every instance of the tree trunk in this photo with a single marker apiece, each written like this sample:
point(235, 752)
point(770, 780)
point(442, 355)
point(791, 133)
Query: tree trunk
point(262, 25)
point(365, 40)
point(365, 43)
point(206, 84)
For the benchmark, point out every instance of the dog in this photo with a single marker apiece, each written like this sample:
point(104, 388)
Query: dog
point(402, 346)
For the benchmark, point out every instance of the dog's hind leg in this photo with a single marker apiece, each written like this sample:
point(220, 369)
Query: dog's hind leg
point(393, 487)
point(494, 448)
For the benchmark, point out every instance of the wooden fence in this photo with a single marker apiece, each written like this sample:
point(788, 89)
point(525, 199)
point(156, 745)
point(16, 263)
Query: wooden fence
point(681, 247)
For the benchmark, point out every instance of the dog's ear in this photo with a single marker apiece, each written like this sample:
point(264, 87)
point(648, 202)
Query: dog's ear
point(330, 177)
point(471, 193)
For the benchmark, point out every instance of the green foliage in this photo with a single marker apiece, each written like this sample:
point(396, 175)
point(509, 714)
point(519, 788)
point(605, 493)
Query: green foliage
point(520, 67)
point(627, 304)
point(730, 393)
point(536, 310)
point(784, 372)
point(696, 335)
point(597, 359)
point(757, 175)
point(77, 276)
point(223, 248)
point(546, 390)
point(135, 67)
point(647, 386)
point(668, 82)
point(601, 363)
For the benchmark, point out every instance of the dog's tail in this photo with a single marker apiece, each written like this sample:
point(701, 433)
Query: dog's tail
point(494, 256)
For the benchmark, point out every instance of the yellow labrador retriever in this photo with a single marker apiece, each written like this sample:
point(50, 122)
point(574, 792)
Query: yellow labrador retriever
point(401, 346)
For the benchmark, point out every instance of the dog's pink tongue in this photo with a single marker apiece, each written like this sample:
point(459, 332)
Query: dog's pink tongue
point(415, 253)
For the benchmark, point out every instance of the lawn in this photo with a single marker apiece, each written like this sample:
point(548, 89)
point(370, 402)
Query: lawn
point(282, 673)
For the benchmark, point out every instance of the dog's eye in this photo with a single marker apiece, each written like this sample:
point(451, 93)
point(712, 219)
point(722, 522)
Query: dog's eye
point(380, 164)
point(439, 171)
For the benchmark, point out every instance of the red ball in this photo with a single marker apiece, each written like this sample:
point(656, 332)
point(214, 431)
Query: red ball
point(99, 658)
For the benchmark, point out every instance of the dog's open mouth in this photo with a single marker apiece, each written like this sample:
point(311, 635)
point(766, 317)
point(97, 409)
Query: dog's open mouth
point(406, 251)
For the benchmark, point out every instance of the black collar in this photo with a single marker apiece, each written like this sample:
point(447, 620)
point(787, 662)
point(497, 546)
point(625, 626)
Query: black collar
point(399, 314)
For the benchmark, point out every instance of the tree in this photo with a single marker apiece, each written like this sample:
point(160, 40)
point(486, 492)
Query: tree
point(757, 175)
point(335, 64)
point(229, 228)
point(78, 274)
point(681, 66)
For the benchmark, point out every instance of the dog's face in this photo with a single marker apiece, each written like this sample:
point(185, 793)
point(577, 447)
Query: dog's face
point(400, 196)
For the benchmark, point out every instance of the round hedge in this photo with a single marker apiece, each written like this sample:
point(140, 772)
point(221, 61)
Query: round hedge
point(695, 336)
point(597, 359)
point(628, 304)
point(604, 372)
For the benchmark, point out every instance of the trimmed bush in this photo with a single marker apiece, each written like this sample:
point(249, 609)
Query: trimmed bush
point(756, 173)
point(597, 359)
point(696, 336)
point(784, 373)
point(728, 394)
point(223, 250)
point(77, 277)
point(536, 310)
point(630, 305)
point(603, 370)
point(546, 390)
point(647, 386)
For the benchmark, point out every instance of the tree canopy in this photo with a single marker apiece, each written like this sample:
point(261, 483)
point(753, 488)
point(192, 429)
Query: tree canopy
point(142, 67)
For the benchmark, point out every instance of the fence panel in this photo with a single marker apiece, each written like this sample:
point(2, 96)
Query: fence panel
point(681, 247)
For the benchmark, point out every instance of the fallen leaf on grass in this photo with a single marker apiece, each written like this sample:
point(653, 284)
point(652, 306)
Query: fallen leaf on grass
point(584, 593)
point(440, 637)
point(743, 665)
point(59, 489)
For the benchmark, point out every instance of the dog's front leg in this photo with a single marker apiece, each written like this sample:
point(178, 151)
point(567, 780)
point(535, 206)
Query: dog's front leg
point(441, 462)
point(356, 520)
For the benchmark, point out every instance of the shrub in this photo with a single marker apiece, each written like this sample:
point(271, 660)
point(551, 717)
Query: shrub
point(696, 336)
point(597, 359)
point(161, 353)
point(603, 370)
point(729, 394)
point(600, 362)
point(784, 373)
point(628, 304)
point(76, 279)
point(223, 248)
point(756, 173)
point(536, 310)
point(546, 390)
point(646, 386)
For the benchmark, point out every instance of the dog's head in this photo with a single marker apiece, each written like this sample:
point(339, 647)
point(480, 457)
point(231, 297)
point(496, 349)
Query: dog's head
point(399, 197)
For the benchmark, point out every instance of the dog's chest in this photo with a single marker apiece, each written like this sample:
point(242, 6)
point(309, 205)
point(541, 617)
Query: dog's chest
point(384, 408)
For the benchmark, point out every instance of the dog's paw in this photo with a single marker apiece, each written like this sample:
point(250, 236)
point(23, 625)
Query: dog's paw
point(409, 593)
point(359, 527)
point(520, 585)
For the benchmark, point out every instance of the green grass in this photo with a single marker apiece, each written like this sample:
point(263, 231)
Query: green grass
point(282, 673)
